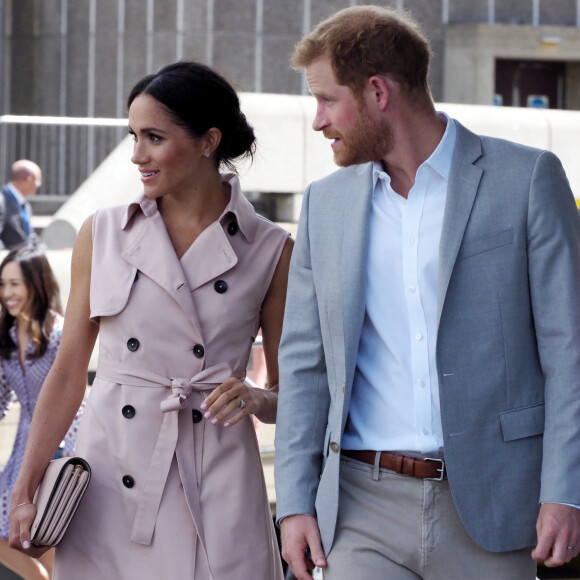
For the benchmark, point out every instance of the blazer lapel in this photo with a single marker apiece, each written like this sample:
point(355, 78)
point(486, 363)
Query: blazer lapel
point(357, 187)
point(464, 181)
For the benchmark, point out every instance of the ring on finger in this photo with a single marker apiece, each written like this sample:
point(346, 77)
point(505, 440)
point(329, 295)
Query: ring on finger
point(242, 403)
point(571, 547)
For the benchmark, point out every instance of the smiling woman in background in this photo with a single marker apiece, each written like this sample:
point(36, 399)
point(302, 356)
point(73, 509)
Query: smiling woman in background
point(30, 329)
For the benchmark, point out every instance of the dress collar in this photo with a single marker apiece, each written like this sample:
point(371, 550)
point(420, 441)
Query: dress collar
point(238, 206)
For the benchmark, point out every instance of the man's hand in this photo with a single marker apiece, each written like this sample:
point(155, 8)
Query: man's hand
point(558, 529)
point(301, 546)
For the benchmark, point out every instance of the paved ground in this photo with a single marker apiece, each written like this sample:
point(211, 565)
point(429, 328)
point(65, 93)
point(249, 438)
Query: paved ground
point(7, 432)
point(546, 573)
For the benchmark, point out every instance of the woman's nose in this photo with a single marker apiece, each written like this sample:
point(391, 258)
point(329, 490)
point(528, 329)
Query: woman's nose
point(138, 155)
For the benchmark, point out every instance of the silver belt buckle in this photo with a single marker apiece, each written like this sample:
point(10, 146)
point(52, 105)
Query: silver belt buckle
point(441, 469)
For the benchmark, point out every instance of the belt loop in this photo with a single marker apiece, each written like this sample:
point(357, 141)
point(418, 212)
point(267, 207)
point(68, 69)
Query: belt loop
point(376, 468)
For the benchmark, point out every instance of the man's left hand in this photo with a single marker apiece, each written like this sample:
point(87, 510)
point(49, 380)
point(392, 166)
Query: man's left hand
point(558, 529)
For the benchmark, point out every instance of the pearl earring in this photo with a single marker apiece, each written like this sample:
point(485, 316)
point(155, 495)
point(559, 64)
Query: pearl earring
point(206, 154)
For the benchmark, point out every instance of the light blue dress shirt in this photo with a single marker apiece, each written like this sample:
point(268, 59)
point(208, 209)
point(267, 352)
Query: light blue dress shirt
point(395, 397)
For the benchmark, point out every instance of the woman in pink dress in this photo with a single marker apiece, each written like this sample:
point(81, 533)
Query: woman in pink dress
point(177, 284)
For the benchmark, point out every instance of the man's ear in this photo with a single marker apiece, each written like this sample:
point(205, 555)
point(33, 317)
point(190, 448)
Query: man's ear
point(378, 91)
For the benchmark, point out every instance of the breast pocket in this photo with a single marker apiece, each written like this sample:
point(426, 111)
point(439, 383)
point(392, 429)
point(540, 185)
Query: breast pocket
point(487, 243)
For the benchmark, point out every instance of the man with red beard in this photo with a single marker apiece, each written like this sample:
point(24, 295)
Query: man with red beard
point(429, 411)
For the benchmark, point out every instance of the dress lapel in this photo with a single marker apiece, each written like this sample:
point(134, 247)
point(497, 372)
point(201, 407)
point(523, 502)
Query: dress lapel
point(209, 256)
point(151, 252)
point(212, 253)
point(357, 187)
point(149, 249)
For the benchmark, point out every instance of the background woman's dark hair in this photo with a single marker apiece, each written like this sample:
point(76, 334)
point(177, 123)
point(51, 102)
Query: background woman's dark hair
point(43, 299)
point(198, 98)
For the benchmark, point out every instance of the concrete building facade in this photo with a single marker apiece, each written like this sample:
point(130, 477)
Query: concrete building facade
point(67, 62)
point(79, 58)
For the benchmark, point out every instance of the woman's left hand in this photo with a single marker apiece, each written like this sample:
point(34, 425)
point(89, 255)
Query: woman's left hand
point(231, 402)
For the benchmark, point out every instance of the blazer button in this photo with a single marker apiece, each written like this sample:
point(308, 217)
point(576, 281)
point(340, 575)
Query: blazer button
point(232, 228)
point(128, 411)
point(128, 481)
point(198, 351)
point(221, 286)
point(196, 416)
point(132, 344)
point(334, 446)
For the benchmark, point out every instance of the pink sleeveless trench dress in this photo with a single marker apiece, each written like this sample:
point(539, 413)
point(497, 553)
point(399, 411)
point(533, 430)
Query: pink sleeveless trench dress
point(172, 495)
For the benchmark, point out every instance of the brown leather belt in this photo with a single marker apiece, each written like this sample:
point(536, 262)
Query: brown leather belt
point(423, 468)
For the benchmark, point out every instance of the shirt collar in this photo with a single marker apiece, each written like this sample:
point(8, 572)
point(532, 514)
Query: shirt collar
point(238, 205)
point(441, 158)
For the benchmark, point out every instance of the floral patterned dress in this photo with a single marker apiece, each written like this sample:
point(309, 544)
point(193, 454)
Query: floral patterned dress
point(24, 385)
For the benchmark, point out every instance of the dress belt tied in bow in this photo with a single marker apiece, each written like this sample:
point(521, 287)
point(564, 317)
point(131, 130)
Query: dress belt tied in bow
point(165, 446)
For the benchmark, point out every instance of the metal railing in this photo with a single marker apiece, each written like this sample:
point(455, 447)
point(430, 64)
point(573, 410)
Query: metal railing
point(68, 149)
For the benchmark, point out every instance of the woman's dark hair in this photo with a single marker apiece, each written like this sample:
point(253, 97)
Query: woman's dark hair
point(43, 300)
point(198, 98)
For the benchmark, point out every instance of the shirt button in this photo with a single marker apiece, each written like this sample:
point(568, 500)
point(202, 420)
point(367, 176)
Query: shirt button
point(424, 431)
point(221, 286)
point(196, 416)
point(334, 446)
point(132, 344)
point(411, 289)
point(411, 240)
point(128, 481)
point(232, 228)
point(419, 336)
point(421, 384)
point(198, 351)
point(128, 411)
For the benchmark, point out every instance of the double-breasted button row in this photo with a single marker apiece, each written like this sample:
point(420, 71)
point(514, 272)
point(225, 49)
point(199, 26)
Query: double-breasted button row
point(132, 344)
point(221, 286)
point(128, 411)
point(128, 481)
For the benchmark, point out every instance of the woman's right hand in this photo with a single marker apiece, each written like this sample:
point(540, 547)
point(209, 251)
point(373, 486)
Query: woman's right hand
point(21, 518)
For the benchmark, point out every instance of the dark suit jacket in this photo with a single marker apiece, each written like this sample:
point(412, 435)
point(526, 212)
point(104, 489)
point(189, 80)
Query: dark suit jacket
point(508, 343)
point(12, 227)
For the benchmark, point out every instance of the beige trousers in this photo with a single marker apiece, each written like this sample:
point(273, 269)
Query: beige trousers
point(393, 527)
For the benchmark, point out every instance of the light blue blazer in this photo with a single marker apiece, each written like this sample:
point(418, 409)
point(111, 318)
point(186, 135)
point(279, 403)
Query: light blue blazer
point(508, 343)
